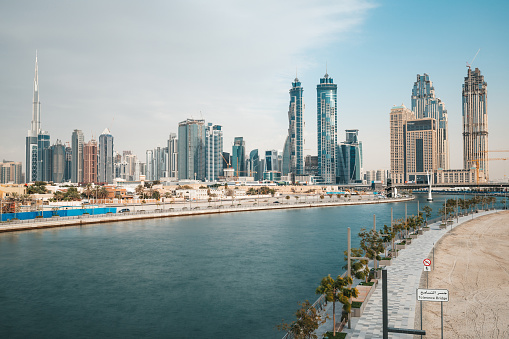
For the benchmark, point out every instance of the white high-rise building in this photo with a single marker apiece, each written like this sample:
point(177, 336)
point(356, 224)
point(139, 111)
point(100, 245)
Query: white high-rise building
point(105, 158)
point(214, 152)
point(172, 163)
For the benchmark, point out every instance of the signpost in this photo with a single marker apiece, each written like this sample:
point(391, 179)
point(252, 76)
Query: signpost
point(424, 294)
point(427, 268)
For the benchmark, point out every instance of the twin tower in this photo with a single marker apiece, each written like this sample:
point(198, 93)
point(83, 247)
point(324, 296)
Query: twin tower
point(327, 125)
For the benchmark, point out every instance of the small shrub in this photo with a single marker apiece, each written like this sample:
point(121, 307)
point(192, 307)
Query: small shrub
point(356, 304)
point(369, 283)
point(339, 335)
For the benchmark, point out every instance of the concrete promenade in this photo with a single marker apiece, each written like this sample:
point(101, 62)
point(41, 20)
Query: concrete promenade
point(403, 277)
point(175, 212)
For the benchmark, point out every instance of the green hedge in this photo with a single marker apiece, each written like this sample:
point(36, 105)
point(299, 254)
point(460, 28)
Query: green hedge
point(356, 304)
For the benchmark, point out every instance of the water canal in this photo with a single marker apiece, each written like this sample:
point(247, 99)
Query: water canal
point(217, 276)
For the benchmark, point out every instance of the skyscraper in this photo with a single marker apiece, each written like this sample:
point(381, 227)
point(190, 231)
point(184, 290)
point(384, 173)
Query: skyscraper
point(43, 156)
point(58, 162)
point(105, 158)
point(31, 150)
point(149, 160)
point(238, 156)
point(271, 161)
point(77, 140)
point(214, 152)
point(426, 105)
point(155, 163)
point(191, 149)
point(421, 156)
point(172, 164)
point(90, 162)
point(327, 119)
point(475, 123)
point(254, 162)
point(293, 158)
point(68, 162)
point(10, 172)
point(399, 115)
point(349, 158)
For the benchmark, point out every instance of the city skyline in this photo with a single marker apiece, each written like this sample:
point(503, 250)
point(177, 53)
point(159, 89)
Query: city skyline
point(100, 94)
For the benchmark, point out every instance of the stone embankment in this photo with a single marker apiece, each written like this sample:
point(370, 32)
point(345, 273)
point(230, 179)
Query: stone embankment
point(169, 212)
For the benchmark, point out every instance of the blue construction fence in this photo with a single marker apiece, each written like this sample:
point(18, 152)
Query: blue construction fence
point(61, 213)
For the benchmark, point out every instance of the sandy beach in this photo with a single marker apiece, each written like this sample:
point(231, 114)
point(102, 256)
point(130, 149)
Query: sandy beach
point(472, 262)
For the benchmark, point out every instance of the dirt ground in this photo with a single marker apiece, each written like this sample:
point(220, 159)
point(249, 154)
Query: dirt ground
point(472, 262)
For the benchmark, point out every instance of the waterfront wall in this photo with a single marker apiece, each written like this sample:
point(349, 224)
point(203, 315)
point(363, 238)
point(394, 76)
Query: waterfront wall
point(59, 213)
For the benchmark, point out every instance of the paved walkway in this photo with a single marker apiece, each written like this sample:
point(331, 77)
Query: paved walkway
point(403, 279)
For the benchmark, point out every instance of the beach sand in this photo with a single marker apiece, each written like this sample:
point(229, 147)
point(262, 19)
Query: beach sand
point(472, 262)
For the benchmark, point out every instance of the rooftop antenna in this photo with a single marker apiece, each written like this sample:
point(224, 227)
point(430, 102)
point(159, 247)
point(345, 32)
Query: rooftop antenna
point(471, 62)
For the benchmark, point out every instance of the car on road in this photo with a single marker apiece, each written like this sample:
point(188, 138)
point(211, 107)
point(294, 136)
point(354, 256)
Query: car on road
point(276, 202)
point(124, 210)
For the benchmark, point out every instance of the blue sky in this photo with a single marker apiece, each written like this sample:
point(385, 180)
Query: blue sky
point(139, 69)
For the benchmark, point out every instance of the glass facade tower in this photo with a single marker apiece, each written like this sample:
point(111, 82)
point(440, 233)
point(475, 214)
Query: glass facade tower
point(426, 105)
point(349, 159)
point(327, 125)
point(293, 158)
point(191, 149)
point(238, 156)
point(31, 149)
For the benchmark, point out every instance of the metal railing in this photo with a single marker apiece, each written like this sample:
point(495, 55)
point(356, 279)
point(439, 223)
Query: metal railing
point(325, 201)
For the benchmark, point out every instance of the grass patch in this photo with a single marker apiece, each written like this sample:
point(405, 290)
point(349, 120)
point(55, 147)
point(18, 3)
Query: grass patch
point(356, 304)
point(386, 258)
point(363, 283)
point(330, 335)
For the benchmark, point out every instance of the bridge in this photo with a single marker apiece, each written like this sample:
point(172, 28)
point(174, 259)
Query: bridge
point(490, 186)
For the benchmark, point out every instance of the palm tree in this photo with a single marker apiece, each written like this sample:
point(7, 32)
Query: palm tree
point(337, 290)
point(88, 190)
point(102, 193)
point(140, 191)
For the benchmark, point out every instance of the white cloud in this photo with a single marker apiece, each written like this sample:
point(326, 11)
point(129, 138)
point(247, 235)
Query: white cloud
point(141, 68)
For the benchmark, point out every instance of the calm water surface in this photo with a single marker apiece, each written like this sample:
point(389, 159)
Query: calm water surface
point(221, 276)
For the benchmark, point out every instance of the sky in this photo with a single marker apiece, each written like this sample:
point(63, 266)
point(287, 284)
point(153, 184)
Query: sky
point(141, 68)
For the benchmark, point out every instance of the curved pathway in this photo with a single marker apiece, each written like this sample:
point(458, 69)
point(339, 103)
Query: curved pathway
point(403, 279)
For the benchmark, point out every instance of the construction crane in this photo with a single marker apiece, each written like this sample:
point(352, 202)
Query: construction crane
point(477, 164)
point(471, 62)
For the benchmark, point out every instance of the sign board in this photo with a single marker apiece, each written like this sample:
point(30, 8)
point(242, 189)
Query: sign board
point(424, 294)
point(426, 262)
point(427, 269)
